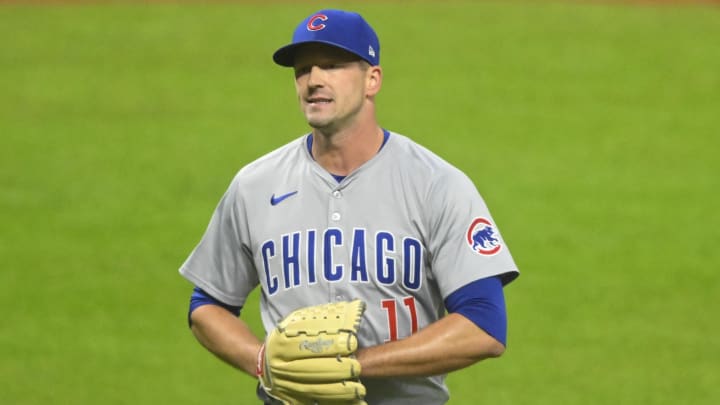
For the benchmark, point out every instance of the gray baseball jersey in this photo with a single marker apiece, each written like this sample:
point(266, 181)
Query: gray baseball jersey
point(401, 232)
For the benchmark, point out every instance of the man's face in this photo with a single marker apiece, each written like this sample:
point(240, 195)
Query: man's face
point(331, 86)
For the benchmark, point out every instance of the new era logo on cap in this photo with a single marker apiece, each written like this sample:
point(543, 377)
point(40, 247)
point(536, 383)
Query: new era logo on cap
point(343, 29)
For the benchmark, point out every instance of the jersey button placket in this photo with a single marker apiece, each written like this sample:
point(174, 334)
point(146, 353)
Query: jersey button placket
point(335, 214)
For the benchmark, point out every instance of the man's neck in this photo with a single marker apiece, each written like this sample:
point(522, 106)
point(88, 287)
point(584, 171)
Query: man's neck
point(342, 152)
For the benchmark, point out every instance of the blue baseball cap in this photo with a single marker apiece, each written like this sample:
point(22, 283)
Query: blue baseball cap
point(343, 29)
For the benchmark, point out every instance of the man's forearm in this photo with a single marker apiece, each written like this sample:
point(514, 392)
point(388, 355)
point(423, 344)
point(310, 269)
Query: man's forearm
point(226, 336)
point(449, 344)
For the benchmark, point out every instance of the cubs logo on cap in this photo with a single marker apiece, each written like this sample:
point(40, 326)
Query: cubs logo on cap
point(342, 29)
point(314, 25)
point(482, 237)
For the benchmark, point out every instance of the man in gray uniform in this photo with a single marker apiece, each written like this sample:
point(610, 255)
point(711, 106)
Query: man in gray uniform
point(352, 210)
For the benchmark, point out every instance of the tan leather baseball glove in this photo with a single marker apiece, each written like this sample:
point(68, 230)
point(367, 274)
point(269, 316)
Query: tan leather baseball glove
point(309, 357)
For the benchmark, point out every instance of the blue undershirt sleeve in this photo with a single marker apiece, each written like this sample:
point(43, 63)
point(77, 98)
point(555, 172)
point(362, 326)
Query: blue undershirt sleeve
point(482, 302)
point(200, 298)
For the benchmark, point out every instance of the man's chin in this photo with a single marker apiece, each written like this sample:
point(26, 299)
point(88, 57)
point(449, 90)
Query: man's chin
point(319, 124)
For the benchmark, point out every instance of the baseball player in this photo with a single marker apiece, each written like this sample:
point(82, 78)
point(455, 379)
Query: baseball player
point(350, 211)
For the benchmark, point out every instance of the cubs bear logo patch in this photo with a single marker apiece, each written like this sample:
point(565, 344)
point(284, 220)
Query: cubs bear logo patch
point(482, 237)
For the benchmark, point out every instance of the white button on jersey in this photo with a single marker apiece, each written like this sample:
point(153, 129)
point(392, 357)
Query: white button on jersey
point(335, 216)
point(337, 194)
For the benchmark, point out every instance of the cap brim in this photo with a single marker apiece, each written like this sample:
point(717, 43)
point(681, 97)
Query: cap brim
point(285, 56)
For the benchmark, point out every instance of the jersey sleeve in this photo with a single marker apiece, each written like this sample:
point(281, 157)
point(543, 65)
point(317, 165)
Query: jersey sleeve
point(464, 241)
point(483, 303)
point(199, 298)
point(221, 263)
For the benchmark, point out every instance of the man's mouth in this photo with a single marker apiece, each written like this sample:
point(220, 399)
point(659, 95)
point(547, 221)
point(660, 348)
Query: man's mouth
point(318, 100)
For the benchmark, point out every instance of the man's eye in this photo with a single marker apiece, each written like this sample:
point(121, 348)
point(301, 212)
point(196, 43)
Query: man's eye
point(325, 66)
point(301, 71)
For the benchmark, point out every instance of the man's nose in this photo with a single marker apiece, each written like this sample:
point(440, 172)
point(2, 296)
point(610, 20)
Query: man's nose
point(315, 76)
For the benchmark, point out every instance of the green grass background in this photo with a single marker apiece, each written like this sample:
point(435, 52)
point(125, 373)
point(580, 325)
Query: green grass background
point(590, 129)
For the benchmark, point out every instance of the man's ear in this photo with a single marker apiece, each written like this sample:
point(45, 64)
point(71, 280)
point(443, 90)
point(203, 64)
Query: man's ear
point(373, 80)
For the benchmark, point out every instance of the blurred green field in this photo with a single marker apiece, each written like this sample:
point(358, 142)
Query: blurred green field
point(591, 130)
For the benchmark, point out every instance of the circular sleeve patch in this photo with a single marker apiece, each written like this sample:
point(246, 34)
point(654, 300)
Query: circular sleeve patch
point(482, 237)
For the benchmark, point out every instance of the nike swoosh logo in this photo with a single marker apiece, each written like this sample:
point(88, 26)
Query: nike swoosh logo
point(277, 200)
